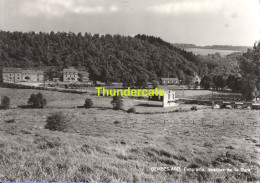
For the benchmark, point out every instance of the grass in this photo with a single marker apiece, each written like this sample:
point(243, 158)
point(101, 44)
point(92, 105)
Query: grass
point(95, 148)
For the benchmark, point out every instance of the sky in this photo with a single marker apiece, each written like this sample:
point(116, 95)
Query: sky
point(200, 22)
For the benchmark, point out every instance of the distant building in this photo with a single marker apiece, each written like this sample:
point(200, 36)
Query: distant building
point(83, 76)
point(169, 81)
point(70, 74)
point(196, 79)
point(168, 100)
point(32, 75)
point(13, 75)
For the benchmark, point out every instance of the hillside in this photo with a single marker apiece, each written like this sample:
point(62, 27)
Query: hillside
point(107, 57)
point(122, 57)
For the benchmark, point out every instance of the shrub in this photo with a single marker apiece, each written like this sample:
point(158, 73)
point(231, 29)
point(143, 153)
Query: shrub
point(88, 103)
point(57, 122)
point(10, 121)
point(37, 101)
point(5, 102)
point(131, 110)
point(116, 122)
point(194, 108)
point(117, 102)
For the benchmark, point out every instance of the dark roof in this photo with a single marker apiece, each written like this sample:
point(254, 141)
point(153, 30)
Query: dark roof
point(30, 71)
point(169, 79)
point(11, 70)
point(70, 69)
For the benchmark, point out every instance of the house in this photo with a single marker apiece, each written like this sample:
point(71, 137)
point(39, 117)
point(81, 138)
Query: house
point(168, 100)
point(70, 74)
point(32, 75)
point(11, 75)
point(14, 75)
point(169, 81)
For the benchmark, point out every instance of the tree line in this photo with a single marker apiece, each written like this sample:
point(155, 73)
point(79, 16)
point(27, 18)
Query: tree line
point(107, 57)
point(130, 60)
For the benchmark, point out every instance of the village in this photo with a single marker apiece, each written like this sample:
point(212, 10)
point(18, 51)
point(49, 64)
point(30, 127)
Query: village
point(74, 80)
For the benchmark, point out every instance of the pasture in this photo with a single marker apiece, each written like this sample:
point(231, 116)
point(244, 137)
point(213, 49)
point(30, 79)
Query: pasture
point(95, 148)
point(204, 51)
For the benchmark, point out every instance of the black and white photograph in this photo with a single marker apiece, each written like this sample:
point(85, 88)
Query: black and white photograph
point(129, 91)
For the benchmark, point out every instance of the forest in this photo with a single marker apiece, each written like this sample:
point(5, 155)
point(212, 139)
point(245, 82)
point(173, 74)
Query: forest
point(106, 57)
point(117, 58)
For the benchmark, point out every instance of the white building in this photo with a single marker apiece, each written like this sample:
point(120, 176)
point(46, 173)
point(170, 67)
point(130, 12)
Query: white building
point(70, 74)
point(169, 99)
point(14, 75)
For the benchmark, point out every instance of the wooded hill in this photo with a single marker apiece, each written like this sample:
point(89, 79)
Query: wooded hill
point(107, 57)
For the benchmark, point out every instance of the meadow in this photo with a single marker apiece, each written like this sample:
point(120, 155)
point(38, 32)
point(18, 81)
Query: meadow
point(103, 144)
point(204, 51)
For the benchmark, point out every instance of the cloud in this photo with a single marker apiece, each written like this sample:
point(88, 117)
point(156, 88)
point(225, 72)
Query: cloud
point(201, 22)
point(113, 8)
point(58, 8)
point(187, 6)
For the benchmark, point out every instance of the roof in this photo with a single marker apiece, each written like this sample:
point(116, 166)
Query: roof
point(11, 70)
point(29, 71)
point(70, 69)
point(169, 79)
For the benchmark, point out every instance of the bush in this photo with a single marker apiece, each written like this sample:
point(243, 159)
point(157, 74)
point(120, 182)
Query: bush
point(88, 103)
point(131, 110)
point(37, 101)
point(117, 102)
point(5, 102)
point(57, 122)
point(194, 108)
point(10, 121)
point(116, 122)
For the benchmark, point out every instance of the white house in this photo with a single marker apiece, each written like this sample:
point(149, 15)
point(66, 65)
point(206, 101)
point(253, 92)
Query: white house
point(70, 74)
point(169, 99)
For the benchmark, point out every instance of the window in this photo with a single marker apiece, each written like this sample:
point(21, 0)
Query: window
point(172, 96)
point(169, 96)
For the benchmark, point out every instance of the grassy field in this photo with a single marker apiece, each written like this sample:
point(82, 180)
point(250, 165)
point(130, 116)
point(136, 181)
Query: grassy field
point(95, 148)
point(202, 51)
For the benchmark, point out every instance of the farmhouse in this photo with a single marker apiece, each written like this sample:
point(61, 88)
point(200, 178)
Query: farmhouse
point(70, 74)
point(32, 75)
point(13, 75)
point(168, 99)
point(169, 81)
